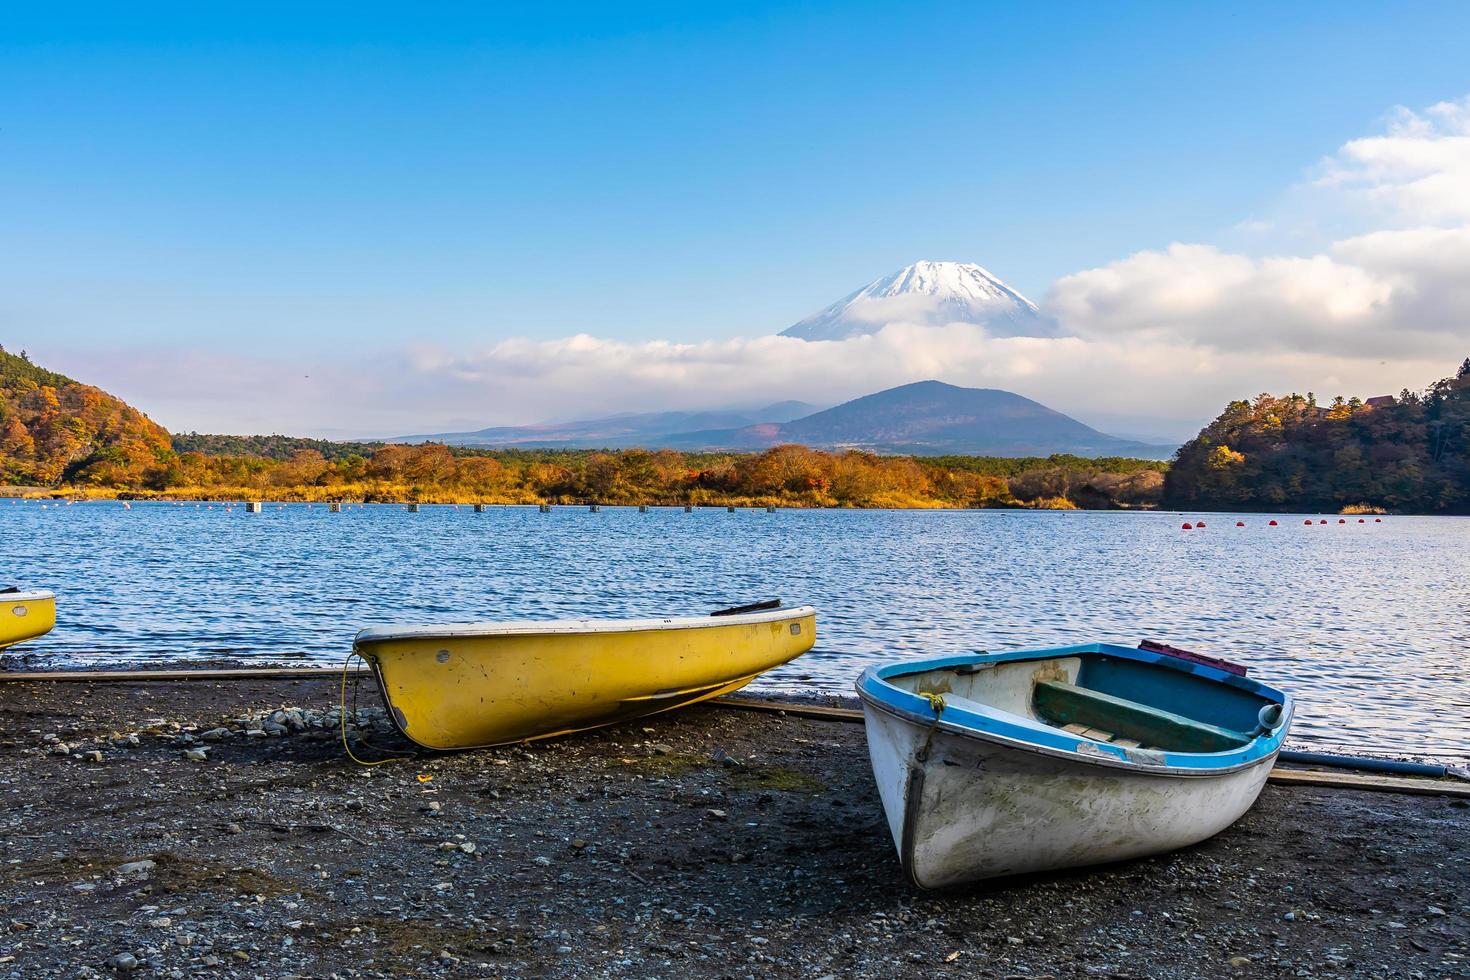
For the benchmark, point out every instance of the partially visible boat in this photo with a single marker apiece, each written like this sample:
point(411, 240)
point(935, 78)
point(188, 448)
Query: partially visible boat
point(477, 684)
point(25, 615)
point(1008, 763)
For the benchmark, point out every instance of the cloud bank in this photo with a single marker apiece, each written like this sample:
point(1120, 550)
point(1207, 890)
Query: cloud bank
point(1170, 333)
point(1395, 291)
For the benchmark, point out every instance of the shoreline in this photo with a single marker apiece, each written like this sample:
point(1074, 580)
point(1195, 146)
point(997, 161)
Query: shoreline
point(231, 497)
point(393, 500)
point(60, 496)
point(21, 666)
point(701, 842)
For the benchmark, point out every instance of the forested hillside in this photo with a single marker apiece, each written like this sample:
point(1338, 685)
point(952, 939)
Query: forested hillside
point(790, 475)
point(54, 430)
point(1406, 453)
point(275, 447)
point(70, 437)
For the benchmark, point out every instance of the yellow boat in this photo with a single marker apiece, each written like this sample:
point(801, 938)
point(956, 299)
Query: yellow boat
point(25, 615)
point(477, 684)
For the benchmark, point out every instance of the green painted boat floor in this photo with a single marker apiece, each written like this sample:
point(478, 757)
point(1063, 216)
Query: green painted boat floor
point(1064, 704)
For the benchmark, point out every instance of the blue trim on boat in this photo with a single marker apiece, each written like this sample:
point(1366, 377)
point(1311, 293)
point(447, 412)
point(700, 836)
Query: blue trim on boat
point(874, 686)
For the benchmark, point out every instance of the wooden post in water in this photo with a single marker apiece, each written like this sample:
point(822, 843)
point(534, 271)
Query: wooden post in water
point(413, 508)
point(479, 508)
point(334, 508)
point(730, 509)
point(252, 506)
point(642, 508)
point(688, 508)
point(546, 508)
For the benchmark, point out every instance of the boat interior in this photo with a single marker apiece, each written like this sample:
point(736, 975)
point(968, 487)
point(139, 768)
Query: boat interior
point(1106, 698)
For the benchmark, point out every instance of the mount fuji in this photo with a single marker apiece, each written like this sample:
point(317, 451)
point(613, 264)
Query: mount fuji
point(928, 294)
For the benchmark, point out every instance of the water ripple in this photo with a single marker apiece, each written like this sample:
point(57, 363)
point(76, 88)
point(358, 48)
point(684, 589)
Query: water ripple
point(1367, 624)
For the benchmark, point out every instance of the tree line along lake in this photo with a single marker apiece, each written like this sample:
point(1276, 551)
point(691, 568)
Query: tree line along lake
point(1366, 624)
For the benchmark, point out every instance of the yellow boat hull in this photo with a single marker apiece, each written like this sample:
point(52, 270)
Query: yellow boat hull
point(25, 616)
point(458, 687)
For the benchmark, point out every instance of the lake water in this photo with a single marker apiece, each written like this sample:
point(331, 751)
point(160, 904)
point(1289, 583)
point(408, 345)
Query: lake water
point(1367, 624)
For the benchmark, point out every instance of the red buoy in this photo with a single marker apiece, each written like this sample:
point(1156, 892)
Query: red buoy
point(1377, 520)
point(1240, 523)
point(1361, 521)
point(1307, 521)
point(1199, 523)
point(1322, 521)
point(1339, 520)
point(1185, 526)
point(1273, 523)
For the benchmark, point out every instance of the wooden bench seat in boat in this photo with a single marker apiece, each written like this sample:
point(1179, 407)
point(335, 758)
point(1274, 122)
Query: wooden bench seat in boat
point(1067, 705)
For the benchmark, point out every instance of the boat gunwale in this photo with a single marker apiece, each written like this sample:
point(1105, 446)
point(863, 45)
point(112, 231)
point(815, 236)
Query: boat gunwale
point(574, 627)
point(993, 725)
point(34, 595)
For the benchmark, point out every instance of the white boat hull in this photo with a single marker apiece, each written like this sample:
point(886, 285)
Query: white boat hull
point(965, 807)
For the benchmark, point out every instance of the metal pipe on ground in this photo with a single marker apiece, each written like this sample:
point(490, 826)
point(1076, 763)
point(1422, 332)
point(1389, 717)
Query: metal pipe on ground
point(1368, 764)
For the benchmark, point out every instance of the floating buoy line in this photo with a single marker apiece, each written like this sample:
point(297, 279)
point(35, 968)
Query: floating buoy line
point(1308, 522)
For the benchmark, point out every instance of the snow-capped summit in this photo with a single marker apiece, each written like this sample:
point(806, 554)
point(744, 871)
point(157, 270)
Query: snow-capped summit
point(929, 294)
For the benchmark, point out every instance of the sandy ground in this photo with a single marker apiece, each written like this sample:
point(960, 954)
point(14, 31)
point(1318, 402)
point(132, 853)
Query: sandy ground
point(708, 842)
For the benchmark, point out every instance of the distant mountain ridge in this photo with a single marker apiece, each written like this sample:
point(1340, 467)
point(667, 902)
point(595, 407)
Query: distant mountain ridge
point(923, 418)
point(931, 418)
point(928, 294)
point(615, 431)
point(926, 418)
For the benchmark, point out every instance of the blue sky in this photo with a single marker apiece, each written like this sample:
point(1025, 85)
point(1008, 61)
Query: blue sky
point(361, 177)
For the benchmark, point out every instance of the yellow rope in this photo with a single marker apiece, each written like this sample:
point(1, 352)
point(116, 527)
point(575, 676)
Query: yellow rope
point(345, 746)
point(936, 704)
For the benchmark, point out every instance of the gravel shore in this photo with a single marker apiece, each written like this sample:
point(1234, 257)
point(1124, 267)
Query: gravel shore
point(202, 828)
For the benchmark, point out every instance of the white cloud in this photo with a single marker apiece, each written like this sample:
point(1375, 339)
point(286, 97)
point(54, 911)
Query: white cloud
point(520, 381)
point(1163, 376)
point(1199, 294)
point(1418, 172)
point(1170, 333)
point(1397, 289)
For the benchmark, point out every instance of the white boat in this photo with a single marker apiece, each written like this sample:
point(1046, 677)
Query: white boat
point(1002, 764)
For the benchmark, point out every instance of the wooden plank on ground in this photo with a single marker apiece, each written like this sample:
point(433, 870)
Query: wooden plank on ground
point(789, 708)
point(120, 676)
point(1374, 783)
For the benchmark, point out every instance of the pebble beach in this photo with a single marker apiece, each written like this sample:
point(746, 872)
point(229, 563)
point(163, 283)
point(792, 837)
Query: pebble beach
point(168, 829)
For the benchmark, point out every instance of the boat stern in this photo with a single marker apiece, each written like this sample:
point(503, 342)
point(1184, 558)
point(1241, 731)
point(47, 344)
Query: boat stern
point(25, 616)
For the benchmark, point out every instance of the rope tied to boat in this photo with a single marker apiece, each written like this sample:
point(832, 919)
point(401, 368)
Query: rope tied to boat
point(346, 745)
point(936, 705)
